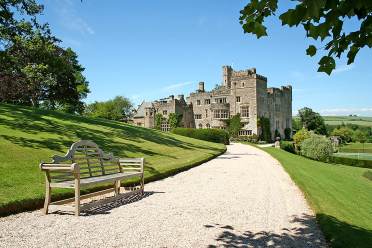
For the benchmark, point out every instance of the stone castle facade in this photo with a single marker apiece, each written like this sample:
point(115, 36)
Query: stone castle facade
point(244, 92)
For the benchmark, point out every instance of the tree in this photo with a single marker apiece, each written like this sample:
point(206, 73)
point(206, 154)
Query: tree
point(234, 125)
point(158, 121)
point(311, 120)
point(34, 69)
point(360, 136)
point(174, 120)
point(345, 134)
point(299, 137)
point(287, 133)
point(117, 109)
point(321, 19)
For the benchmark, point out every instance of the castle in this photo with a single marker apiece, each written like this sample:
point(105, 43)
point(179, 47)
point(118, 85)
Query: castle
point(244, 92)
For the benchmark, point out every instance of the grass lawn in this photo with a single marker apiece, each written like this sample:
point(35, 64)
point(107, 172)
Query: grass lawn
point(340, 196)
point(357, 148)
point(28, 136)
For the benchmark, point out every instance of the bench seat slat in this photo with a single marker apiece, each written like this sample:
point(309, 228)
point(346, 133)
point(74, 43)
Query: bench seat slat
point(94, 180)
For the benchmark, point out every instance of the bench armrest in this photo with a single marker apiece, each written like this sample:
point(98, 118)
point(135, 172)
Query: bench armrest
point(132, 163)
point(60, 167)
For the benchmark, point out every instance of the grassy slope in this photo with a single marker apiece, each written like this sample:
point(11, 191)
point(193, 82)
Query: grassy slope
point(340, 196)
point(28, 136)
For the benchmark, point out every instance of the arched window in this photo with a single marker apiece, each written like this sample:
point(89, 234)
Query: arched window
point(200, 125)
point(208, 126)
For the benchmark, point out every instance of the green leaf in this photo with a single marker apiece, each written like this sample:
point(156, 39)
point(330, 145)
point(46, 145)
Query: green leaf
point(351, 54)
point(327, 64)
point(259, 30)
point(314, 7)
point(311, 50)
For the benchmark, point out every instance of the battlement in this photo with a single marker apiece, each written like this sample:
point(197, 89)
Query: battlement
point(229, 73)
point(282, 89)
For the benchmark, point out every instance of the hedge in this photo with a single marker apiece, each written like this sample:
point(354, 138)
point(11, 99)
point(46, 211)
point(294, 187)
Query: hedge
point(287, 146)
point(213, 135)
point(352, 162)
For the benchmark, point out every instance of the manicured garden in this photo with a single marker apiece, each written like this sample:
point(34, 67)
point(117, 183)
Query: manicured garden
point(28, 136)
point(340, 195)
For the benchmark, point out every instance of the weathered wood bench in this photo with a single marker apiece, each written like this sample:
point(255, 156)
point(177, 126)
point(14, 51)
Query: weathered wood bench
point(85, 164)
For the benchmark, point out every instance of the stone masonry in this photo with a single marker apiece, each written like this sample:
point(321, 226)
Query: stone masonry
point(244, 92)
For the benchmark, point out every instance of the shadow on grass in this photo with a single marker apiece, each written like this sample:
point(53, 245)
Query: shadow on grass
point(303, 234)
point(342, 234)
point(71, 128)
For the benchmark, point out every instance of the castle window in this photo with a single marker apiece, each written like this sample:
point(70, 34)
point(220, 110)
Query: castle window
point(220, 100)
point(197, 102)
point(244, 111)
point(200, 125)
point(208, 126)
point(165, 112)
point(207, 101)
point(245, 132)
point(243, 84)
point(277, 124)
point(221, 114)
point(197, 116)
point(206, 113)
point(238, 99)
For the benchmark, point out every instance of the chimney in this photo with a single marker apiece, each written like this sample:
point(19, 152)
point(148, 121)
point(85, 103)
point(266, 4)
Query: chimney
point(201, 86)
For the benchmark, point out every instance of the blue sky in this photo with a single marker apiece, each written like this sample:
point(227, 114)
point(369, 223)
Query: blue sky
point(146, 50)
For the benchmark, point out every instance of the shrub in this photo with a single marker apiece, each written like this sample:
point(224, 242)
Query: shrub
point(213, 135)
point(287, 146)
point(299, 137)
point(264, 124)
point(277, 135)
point(352, 162)
point(317, 147)
point(287, 133)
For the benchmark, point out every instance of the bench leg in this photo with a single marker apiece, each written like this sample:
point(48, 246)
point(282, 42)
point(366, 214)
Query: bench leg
point(117, 187)
point(142, 184)
point(47, 197)
point(77, 197)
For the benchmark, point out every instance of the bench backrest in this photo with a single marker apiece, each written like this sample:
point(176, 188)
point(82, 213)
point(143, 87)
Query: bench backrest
point(91, 159)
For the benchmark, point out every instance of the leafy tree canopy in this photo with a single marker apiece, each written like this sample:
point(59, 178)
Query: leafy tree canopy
point(322, 20)
point(312, 121)
point(234, 125)
point(34, 69)
point(118, 109)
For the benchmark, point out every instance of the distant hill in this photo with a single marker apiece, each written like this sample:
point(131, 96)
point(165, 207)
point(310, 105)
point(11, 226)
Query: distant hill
point(28, 136)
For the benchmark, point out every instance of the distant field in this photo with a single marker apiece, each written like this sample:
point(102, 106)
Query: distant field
point(338, 120)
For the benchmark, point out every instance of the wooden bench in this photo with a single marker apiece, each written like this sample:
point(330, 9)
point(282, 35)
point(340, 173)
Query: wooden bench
point(85, 164)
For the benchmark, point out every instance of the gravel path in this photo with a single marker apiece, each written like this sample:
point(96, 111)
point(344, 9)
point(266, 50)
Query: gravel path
point(241, 199)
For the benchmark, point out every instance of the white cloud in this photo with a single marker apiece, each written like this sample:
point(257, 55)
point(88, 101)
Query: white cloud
point(176, 86)
point(70, 19)
point(347, 111)
point(343, 68)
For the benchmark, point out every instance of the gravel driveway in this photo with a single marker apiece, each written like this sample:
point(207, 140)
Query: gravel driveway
point(241, 199)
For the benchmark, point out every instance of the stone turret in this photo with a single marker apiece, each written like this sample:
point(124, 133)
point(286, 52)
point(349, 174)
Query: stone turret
point(201, 87)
